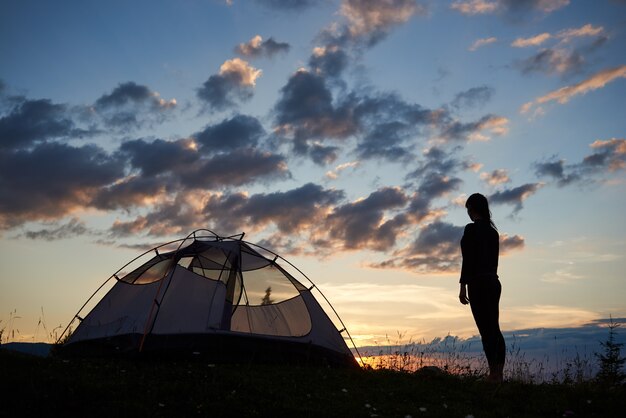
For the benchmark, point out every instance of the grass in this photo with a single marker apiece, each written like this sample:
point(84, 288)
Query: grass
point(398, 385)
point(98, 387)
point(9, 332)
point(458, 357)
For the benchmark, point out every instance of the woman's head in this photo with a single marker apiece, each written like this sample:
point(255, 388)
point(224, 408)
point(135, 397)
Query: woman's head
point(478, 208)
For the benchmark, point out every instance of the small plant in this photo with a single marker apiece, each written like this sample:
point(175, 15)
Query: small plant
point(267, 299)
point(611, 360)
point(7, 332)
point(447, 355)
point(65, 337)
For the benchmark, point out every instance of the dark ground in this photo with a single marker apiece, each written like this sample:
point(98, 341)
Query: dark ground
point(33, 386)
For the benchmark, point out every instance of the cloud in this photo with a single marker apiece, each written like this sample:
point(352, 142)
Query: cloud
point(556, 170)
point(175, 216)
point(375, 17)
point(596, 81)
point(329, 60)
point(464, 131)
point(438, 238)
point(227, 154)
point(257, 47)
point(390, 126)
point(479, 43)
point(435, 250)
point(130, 105)
point(607, 156)
point(234, 83)
point(240, 131)
point(288, 5)
point(532, 41)
point(515, 196)
point(25, 122)
point(362, 223)
point(130, 92)
point(305, 99)
point(334, 174)
point(322, 154)
point(367, 22)
point(552, 61)
point(507, 7)
point(565, 94)
point(73, 228)
point(435, 178)
point(511, 243)
point(544, 6)
point(384, 141)
point(438, 160)
point(495, 177)
point(419, 210)
point(242, 166)
point(474, 97)
point(159, 156)
point(55, 179)
point(588, 30)
point(305, 111)
point(291, 212)
point(560, 59)
point(133, 191)
point(435, 185)
point(299, 209)
point(316, 112)
point(475, 7)
point(307, 116)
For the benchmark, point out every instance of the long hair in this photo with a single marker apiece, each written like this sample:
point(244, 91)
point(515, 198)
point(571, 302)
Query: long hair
point(479, 204)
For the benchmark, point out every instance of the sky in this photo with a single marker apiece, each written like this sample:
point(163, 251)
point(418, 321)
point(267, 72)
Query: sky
point(345, 135)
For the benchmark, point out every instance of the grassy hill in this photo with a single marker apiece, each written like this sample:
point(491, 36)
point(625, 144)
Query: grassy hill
point(79, 387)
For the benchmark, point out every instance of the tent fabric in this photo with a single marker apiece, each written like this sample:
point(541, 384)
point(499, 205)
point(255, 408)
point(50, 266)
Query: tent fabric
point(218, 293)
point(288, 319)
point(191, 304)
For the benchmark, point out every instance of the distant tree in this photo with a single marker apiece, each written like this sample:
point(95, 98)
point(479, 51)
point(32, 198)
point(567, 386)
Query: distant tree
point(267, 300)
point(611, 360)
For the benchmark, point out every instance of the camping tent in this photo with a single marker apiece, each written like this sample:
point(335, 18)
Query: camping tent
point(220, 297)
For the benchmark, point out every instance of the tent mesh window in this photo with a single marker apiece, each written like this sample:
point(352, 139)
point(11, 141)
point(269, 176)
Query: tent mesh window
point(150, 272)
point(271, 303)
point(265, 298)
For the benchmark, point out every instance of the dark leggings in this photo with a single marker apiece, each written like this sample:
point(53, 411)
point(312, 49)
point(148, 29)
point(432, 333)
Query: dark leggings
point(484, 299)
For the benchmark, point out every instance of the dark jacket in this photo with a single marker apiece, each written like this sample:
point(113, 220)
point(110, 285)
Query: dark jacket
point(479, 246)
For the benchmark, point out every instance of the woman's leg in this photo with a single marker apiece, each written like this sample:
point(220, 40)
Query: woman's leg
point(484, 301)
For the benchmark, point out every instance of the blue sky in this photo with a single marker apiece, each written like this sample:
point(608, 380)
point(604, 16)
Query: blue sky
point(344, 135)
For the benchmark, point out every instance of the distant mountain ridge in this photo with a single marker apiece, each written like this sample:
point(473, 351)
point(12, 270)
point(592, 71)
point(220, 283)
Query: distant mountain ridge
point(35, 349)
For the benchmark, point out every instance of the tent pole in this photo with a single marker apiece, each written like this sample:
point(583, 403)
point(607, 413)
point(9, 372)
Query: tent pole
point(169, 272)
point(81, 308)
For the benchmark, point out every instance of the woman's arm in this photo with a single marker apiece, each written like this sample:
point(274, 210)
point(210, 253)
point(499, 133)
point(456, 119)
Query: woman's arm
point(468, 249)
point(463, 294)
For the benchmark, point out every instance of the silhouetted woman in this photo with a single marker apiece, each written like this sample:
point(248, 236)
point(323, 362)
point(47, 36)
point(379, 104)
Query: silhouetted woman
point(479, 281)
